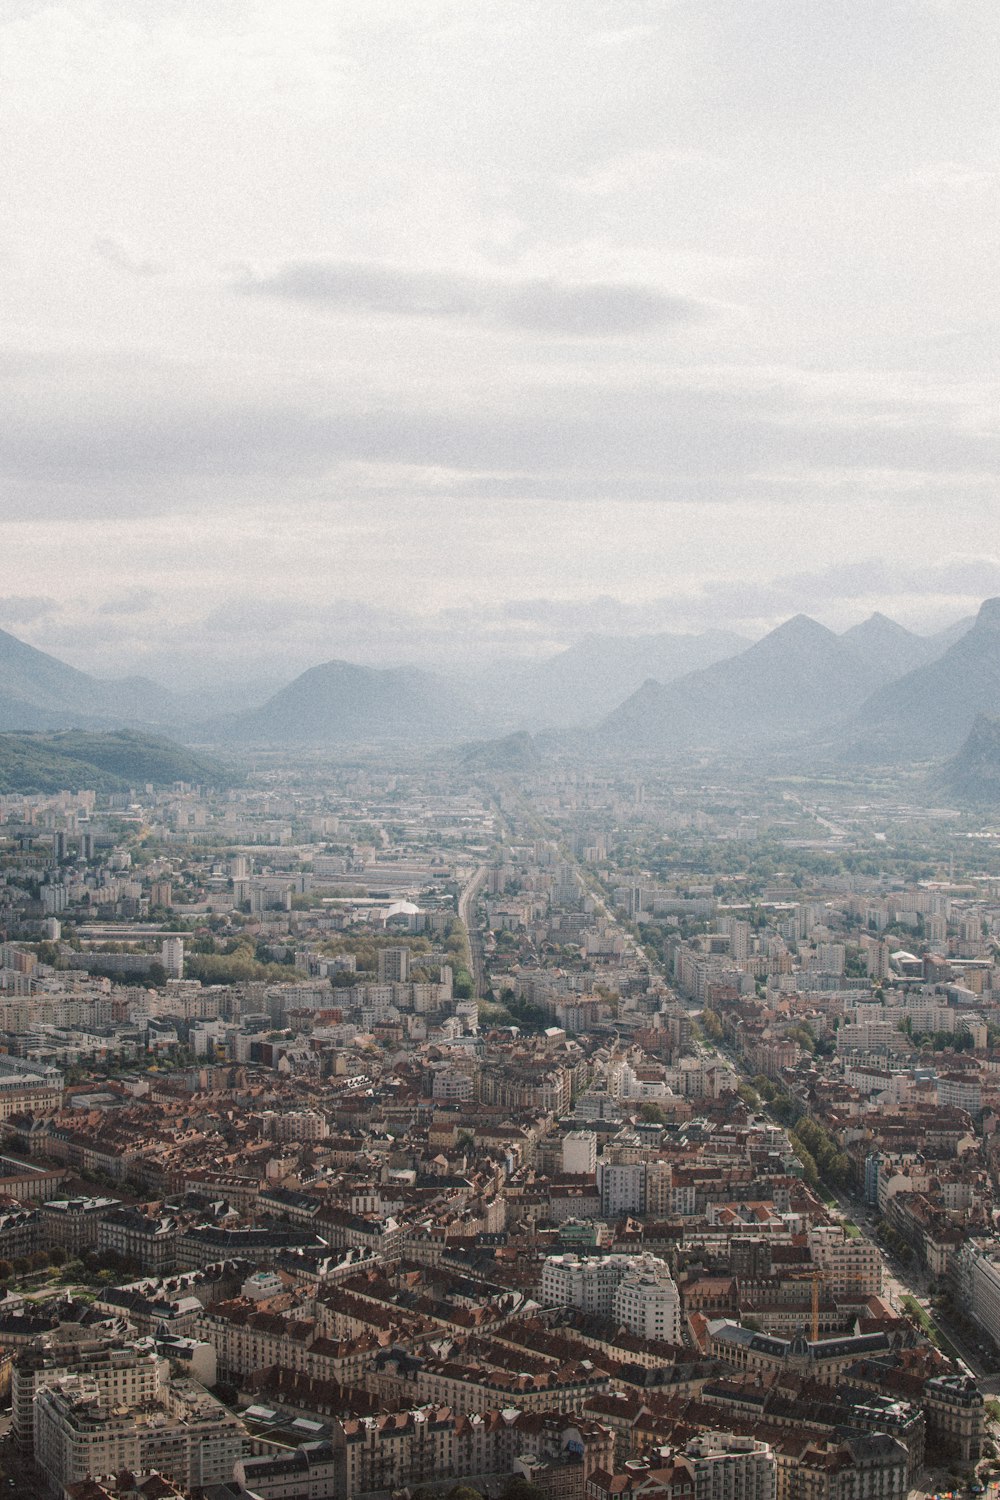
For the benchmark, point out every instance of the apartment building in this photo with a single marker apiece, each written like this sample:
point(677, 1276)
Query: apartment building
point(647, 1302)
point(434, 1442)
point(182, 1432)
point(122, 1376)
point(851, 1267)
point(28, 1088)
point(74, 1223)
point(729, 1467)
point(312, 1471)
point(579, 1153)
point(147, 1240)
point(977, 1273)
point(636, 1290)
point(622, 1187)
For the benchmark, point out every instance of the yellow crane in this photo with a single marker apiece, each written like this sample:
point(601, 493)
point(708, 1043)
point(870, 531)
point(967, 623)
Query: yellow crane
point(816, 1276)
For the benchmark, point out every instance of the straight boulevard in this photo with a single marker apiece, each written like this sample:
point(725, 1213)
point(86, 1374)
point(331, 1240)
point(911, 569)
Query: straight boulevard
point(900, 1282)
point(466, 914)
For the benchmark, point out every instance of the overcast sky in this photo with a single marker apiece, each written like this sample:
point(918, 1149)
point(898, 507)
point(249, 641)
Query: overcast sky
point(381, 328)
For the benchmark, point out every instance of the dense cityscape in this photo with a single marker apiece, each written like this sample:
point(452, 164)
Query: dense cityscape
point(371, 1127)
point(499, 750)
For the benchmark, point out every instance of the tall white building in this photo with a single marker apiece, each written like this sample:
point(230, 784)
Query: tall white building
point(850, 1267)
point(647, 1302)
point(636, 1290)
point(183, 1432)
point(727, 1467)
point(393, 965)
point(588, 1283)
point(622, 1186)
point(738, 933)
point(579, 1152)
point(979, 1279)
point(128, 1377)
point(172, 957)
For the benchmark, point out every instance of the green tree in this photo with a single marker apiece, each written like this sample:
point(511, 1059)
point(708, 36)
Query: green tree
point(785, 1109)
point(518, 1488)
point(810, 1171)
point(803, 1036)
point(711, 1025)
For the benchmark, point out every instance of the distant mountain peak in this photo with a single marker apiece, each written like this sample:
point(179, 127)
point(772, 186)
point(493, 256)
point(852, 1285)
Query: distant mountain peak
point(931, 710)
point(799, 677)
point(888, 647)
point(799, 628)
point(988, 617)
point(877, 624)
point(799, 636)
point(341, 700)
point(801, 624)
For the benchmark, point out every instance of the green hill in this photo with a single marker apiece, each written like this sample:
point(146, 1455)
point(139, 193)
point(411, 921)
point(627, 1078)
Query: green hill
point(515, 752)
point(111, 762)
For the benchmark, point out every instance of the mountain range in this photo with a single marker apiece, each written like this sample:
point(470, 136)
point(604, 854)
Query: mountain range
point(582, 684)
point(875, 694)
point(39, 692)
point(930, 710)
point(799, 681)
point(341, 700)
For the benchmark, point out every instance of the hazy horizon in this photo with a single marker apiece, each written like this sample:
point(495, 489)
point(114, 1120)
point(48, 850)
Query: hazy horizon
point(461, 660)
point(435, 332)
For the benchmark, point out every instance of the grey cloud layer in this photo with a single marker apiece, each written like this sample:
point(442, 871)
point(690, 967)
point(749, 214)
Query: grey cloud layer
point(72, 444)
point(734, 258)
point(22, 609)
point(589, 310)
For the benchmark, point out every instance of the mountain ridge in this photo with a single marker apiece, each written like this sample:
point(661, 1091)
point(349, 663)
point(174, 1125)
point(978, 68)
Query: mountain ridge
point(929, 711)
point(797, 679)
point(342, 701)
point(971, 777)
point(582, 683)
